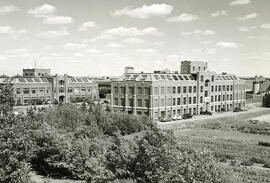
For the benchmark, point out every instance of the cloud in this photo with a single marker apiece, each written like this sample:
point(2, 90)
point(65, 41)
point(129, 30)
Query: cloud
point(209, 51)
point(261, 37)
point(227, 44)
point(145, 11)
point(184, 17)
point(86, 25)
point(239, 2)
point(266, 26)
point(54, 33)
point(145, 50)
point(206, 42)
point(58, 20)
point(219, 13)
point(92, 50)
point(133, 31)
point(134, 40)
point(245, 28)
point(114, 45)
point(43, 11)
point(103, 37)
point(75, 45)
point(247, 17)
point(8, 9)
point(16, 34)
point(199, 32)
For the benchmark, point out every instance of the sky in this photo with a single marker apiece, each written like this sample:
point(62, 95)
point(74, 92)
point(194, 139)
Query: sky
point(101, 37)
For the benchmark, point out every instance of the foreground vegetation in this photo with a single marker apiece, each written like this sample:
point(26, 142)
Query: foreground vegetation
point(93, 145)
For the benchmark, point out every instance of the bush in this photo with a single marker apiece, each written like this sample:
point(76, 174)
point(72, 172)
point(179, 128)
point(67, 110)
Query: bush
point(266, 144)
point(247, 163)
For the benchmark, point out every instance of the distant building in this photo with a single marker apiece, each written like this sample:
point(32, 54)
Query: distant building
point(162, 94)
point(257, 85)
point(39, 85)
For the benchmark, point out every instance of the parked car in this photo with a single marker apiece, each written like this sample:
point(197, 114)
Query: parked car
point(206, 113)
point(187, 116)
point(174, 118)
point(165, 119)
point(238, 109)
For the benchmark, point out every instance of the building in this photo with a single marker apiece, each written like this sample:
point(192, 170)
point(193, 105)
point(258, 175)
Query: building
point(35, 86)
point(162, 94)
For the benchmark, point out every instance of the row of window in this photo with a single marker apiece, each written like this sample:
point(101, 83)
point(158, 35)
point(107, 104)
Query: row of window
point(140, 102)
point(131, 90)
point(32, 90)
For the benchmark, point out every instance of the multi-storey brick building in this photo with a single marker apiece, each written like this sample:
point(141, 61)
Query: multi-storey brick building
point(162, 94)
point(46, 88)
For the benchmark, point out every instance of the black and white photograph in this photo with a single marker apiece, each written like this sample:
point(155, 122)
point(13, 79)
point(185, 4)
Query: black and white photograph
point(134, 91)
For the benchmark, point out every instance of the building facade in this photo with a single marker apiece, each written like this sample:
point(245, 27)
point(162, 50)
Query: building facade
point(48, 89)
point(162, 94)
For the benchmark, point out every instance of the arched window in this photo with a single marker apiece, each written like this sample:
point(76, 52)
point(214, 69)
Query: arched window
point(61, 82)
point(207, 83)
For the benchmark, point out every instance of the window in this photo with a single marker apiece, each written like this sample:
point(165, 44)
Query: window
point(26, 91)
point(189, 100)
point(194, 100)
point(213, 78)
point(83, 89)
point(115, 101)
point(18, 91)
point(174, 90)
point(201, 89)
point(212, 88)
point(169, 102)
point(190, 89)
point(193, 68)
point(61, 90)
point(122, 102)
point(168, 90)
point(178, 101)
point(174, 102)
point(162, 102)
point(201, 78)
point(219, 88)
point(228, 87)
point(223, 87)
point(70, 89)
point(212, 98)
point(199, 68)
point(206, 93)
point(122, 90)
point(156, 102)
point(201, 99)
point(206, 83)
point(219, 98)
point(156, 91)
point(61, 82)
point(231, 87)
point(223, 97)
point(184, 89)
point(146, 91)
point(179, 89)
point(33, 91)
point(41, 90)
point(215, 98)
point(215, 88)
point(115, 89)
point(146, 103)
point(185, 101)
point(175, 77)
point(194, 89)
point(162, 91)
point(139, 90)
point(139, 102)
point(231, 96)
point(131, 90)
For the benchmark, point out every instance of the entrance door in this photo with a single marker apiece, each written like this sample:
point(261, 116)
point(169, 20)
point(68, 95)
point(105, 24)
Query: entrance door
point(61, 98)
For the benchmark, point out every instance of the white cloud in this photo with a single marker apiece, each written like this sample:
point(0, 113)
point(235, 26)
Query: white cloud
point(134, 40)
point(75, 45)
point(239, 2)
point(86, 25)
point(58, 20)
point(206, 42)
point(209, 51)
point(227, 44)
point(145, 50)
point(16, 34)
point(42, 11)
point(199, 32)
point(247, 17)
point(54, 33)
point(133, 31)
point(145, 11)
point(92, 50)
point(114, 45)
point(261, 37)
point(8, 9)
point(103, 37)
point(266, 26)
point(184, 17)
point(219, 13)
point(245, 28)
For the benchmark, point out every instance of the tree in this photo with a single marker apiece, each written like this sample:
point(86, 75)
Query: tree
point(266, 100)
point(16, 147)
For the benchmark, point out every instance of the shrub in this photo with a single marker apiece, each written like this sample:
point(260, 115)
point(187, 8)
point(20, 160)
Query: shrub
point(247, 163)
point(266, 144)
